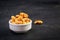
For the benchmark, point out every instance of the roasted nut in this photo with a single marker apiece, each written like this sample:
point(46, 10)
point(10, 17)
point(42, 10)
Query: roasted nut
point(24, 22)
point(25, 15)
point(22, 14)
point(18, 22)
point(17, 16)
point(27, 20)
point(12, 17)
point(12, 20)
point(38, 22)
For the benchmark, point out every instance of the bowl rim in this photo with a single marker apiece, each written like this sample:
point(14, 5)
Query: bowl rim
point(20, 24)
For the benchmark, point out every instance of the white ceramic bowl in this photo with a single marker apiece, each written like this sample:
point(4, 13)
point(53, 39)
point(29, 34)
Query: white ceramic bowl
point(20, 27)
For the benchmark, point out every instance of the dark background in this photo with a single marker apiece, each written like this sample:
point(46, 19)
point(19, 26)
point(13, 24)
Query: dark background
point(46, 10)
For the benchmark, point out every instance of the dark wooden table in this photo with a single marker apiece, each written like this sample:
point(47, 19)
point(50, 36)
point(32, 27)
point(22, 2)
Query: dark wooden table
point(49, 13)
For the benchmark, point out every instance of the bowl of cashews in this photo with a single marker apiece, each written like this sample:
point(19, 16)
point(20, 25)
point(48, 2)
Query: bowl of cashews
point(20, 23)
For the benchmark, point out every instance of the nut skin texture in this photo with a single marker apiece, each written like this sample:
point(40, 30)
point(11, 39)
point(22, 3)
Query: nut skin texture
point(38, 22)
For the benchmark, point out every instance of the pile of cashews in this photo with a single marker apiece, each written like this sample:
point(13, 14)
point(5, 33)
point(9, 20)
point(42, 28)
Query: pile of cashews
point(21, 18)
